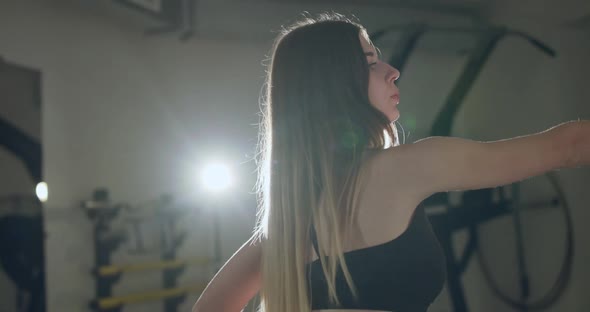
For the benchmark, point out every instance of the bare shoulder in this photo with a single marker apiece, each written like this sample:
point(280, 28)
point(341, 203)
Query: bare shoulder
point(387, 202)
point(389, 169)
point(443, 164)
point(387, 188)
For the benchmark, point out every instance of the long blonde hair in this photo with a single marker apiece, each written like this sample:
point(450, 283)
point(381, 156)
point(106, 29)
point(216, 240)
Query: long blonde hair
point(316, 123)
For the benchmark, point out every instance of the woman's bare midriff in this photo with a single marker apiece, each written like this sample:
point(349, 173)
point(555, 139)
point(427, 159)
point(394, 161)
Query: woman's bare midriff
point(338, 310)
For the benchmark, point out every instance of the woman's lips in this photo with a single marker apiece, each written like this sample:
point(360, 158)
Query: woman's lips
point(395, 97)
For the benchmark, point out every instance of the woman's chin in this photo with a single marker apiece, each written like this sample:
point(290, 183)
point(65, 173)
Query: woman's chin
point(394, 116)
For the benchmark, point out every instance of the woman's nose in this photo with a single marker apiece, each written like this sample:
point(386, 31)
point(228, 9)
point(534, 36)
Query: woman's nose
point(394, 74)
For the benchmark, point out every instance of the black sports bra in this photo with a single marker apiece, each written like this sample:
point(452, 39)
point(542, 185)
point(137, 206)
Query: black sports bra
point(403, 275)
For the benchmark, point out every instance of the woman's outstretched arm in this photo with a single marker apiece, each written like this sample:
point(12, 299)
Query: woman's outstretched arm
point(236, 283)
point(442, 164)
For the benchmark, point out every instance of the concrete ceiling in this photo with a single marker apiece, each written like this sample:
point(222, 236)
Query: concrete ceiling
point(254, 20)
point(243, 20)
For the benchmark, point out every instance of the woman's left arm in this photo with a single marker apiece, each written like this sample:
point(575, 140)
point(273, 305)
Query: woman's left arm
point(236, 283)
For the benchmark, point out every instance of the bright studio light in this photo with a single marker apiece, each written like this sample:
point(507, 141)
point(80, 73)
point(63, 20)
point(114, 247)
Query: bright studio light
point(216, 177)
point(42, 191)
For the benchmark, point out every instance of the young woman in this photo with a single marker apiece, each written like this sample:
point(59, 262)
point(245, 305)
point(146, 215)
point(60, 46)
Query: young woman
point(338, 225)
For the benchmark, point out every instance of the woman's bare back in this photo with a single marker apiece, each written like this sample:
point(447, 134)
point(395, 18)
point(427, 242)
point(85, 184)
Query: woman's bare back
point(384, 211)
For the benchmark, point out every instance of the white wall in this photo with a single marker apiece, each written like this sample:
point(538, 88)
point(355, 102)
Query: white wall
point(132, 114)
point(136, 114)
